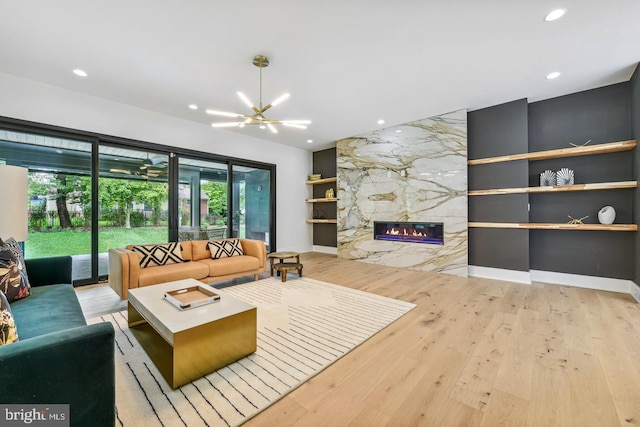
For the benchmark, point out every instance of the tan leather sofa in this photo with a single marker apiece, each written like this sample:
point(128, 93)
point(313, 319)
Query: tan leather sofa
point(125, 272)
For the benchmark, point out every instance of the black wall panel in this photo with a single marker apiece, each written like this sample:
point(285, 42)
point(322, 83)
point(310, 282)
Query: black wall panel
point(600, 115)
point(635, 125)
point(499, 248)
point(498, 175)
point(591, 253)
point(498, 208)
point(498, 131)
point(324, 162)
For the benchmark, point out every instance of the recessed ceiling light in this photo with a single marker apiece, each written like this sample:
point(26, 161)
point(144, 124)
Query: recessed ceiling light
point(263, 127)
point(309, 141)
point(553, 75)
point(79, 72)
point(555, 14)
point(398, 130)
point(193, 106)
point(380, 122)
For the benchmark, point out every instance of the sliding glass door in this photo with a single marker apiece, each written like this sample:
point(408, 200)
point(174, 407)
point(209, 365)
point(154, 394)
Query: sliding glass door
point(252, 201)
point(202, 200)
point(133, 199)
point(60, 196)
point(89, 193)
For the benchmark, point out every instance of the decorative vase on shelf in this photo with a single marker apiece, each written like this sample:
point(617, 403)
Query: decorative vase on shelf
point(547, 178)
point(329, 194)
point(564, 176)
point(607, 215)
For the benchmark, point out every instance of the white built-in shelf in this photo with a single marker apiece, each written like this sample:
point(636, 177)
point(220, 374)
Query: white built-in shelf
point(586, 150)
point(552, 226)
point(322, 221)
point(557, 188)
point(322, 181)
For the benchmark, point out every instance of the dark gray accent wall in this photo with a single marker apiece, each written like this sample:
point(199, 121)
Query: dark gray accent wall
point(498, 131)
point(324, 162)
point(600, 115)
point(635, 132)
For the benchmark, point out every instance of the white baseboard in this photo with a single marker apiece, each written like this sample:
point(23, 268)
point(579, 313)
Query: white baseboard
point(500, 274)
point(580, 281)
point(577, 280)
point(325, 249)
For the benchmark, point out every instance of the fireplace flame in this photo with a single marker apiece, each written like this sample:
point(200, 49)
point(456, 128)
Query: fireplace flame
point(403, 232)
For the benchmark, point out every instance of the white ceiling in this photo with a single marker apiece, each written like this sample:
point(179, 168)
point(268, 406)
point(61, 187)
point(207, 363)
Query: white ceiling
point(346, 63)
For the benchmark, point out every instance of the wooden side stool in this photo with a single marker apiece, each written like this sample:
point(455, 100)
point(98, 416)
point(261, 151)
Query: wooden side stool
point(286, 266)
point(281, 256)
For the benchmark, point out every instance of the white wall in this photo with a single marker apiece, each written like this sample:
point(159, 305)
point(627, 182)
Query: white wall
point(29, 100)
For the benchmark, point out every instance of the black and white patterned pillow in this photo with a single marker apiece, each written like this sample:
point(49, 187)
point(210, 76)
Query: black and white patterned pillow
point(14, 281)
point(225, 248)
point(8, 330)
point(156, 255)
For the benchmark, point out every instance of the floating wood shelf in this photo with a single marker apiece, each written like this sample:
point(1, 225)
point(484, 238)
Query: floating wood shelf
point(322, 200)
point(557, 188)
point(551, 226)
point(322, 221)
point(322, 181)
point(586, 150)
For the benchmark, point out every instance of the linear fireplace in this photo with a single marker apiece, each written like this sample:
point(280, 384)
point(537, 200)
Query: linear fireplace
point(416, 232)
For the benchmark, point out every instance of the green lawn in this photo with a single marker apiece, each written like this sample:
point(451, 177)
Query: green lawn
point(76, 242)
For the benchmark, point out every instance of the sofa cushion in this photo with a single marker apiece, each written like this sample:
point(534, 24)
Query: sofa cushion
point(8, 330)
point(225, 248)
point(49, 309)
point(171, 272)
point(14, 281)
point(156, 255)
point(200, 250)
point(231, 265)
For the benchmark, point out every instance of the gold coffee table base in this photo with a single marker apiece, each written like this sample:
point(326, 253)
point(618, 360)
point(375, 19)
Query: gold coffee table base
point(196, 351)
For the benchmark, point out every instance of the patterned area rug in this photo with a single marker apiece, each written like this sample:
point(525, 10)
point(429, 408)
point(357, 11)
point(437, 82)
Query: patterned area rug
point(304, 325)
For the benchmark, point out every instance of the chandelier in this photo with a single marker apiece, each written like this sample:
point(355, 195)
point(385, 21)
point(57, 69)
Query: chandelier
point(258, 117)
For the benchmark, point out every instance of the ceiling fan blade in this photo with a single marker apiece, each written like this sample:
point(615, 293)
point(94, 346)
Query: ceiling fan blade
point(120, 171)
point(272, 128)
point(226, 124)
point(223, 113)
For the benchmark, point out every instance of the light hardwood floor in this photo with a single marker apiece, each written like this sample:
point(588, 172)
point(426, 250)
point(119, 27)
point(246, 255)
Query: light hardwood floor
point(474, 352)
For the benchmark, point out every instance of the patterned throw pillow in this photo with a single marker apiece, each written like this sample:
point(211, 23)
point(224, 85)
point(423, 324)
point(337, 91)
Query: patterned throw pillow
point(14, 281)
point(156, 255)
point(225, 248)
point(8, 330)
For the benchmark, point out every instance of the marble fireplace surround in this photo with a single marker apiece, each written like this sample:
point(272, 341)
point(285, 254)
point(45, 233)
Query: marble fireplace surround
point(415, 172)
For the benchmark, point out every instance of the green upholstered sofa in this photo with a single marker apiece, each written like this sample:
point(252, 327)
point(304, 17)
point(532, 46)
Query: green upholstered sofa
point(59, 358)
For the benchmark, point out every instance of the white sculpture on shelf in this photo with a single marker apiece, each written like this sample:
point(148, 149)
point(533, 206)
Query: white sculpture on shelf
point(607, 215)
point(564, 176)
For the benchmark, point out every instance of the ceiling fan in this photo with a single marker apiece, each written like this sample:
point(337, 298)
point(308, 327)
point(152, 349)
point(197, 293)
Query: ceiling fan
point(258, 118)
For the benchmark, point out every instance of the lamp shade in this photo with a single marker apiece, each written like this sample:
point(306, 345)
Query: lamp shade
point(14, 202)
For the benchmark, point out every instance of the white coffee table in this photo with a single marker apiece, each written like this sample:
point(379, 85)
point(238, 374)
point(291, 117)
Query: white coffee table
point(187, 345)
